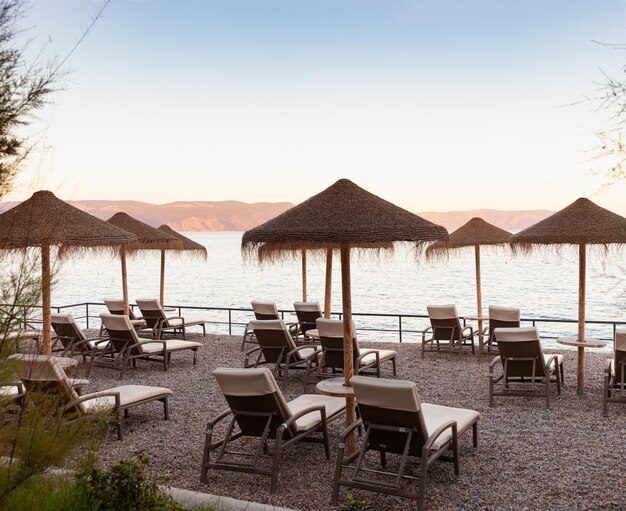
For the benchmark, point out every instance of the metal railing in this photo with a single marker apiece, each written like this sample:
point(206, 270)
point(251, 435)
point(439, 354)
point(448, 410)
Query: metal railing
point(230, 319)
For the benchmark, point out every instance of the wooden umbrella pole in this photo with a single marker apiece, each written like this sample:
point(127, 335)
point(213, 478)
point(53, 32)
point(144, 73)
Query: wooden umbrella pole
point(329, 282)
point(479, 293)
point(124, 279)
point(304, 275)
point(582, 265)
point(162, 290)
point(348, 334)
point(45, 291)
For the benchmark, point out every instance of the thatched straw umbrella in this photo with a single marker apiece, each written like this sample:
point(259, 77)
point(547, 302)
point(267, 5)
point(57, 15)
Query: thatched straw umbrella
point(343, 217)
point(474, 233)
point(189, 247)
point(581, 223)
point(148, 238)
point(43, 221)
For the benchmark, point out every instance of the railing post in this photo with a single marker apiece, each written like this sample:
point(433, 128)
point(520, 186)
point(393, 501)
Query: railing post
point(230, 322)
point(87, 313)
point(400, 327)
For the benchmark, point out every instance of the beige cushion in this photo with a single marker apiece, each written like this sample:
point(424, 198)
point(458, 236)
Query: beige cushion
point(129, 395)
point(504, 313)
point(442, 311)
point(306, 352)
point(9, 390)
point(436, 415)
point(385, 393)
point(333, 405)
point(178, 323)
point(170, 344)
point(370, 358)
point(264, 307)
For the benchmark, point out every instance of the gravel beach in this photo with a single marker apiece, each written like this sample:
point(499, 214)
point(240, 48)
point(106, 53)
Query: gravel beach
point(566, 458)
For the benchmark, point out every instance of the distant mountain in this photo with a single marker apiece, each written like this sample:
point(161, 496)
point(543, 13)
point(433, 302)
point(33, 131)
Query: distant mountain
point(241, 216)
point(512, 221)
point(186, 216)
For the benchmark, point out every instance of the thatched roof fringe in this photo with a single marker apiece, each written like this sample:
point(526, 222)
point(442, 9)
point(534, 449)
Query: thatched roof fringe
point(190, 247)
point(148, 238)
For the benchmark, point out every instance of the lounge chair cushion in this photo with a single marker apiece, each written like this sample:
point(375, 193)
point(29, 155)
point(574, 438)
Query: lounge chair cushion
point(170, 344)
point(370, 358)
point(436, 415)
point(178, 323)
point(9, 390)
point(129, 395)
point(306, 352)
point(333, 406)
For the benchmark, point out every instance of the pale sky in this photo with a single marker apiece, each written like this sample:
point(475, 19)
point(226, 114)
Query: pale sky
point(433, 105)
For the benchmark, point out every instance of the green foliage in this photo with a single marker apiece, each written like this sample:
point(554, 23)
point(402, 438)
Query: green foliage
point(123, 486)
point(355, 505)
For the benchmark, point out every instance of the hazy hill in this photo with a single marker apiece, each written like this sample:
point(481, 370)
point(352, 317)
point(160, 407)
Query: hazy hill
point(240, 216)
point(510, 220)
point(187, 216)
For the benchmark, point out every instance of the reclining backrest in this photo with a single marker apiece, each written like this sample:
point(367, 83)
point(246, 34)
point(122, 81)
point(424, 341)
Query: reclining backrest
point(66, 329)
point(331, 339)
point(394, 404)
point(445, 322)
point(620, 354)
point(117, 307)
point(308, 313)
point(44, 379)
point(503, 317)
point(256, 391)
point(151, 311)
point(264, 310)
point(273, 336)
point(121, 332)
point(521, 343)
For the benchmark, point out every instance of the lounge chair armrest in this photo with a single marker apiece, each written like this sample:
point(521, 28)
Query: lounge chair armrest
point(425, 331)
point(550, 359)
point(438, 432)
point(305, 346)
point(211, 424)
point(311, 409)
point(485, 330)
point(349, 429)
point(94, 339)
point(471, 331)
point(95, 395)
point(103, 340)
point(493, 363)
point(357, 363)
point(173, 317)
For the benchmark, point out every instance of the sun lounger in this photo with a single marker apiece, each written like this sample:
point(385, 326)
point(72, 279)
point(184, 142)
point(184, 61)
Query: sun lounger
point(446, 332)
point(259, 410)
point(331, 340)
point(396, 423)
point(500, 317)
point(307, 313)
point(156, 319)
point(128, 347)
point(264, 310)
point(117, 307)
point(615, 374)
point(526, 370)
point(74, 342)
point(277, 347)
point(43, 378)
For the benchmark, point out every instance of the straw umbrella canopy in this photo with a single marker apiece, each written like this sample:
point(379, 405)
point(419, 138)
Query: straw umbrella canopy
point(189, 247)
point(474, 233)
point(342, 217)
point(148, 238)
point(44, 221)
point(581, 223)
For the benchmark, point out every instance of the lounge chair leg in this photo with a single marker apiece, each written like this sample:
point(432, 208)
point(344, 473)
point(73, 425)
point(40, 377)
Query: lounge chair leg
point(605, 400)
point(455, 450)
point(548, 391)
point(166, 407)
point(195, 356)
point(423, 477)
point(120, 432)
point(562, 374)
point(383, 459)
point(393, 363)
point(475, 435)
point(126, 413)
point(276, 464)
point(334, 497)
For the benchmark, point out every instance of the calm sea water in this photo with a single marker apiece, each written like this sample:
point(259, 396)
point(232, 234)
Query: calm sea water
point(542, 285)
